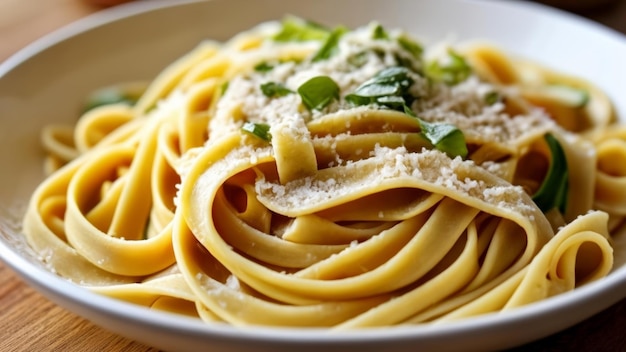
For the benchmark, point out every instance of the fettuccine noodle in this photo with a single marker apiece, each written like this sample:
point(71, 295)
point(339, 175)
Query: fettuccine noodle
point(302, 176)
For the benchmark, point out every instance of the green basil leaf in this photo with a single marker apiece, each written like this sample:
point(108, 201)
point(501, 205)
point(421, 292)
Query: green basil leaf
point(411, 46)
point(394, 74)
point(295, 29)
point(391, 101)
point(108, 96)
point(318, 92)
point(259, 130)
point(273, 89)
point(553, 190)
point(358, 100)
point(407, 110)
point(387, 88)
point(379, 33)
point(393, 80)
point(492, 98)
point(396, 103)
point(375, 89)
point(331, 45)
point(263, 67)
point(453, 72)
point(224, 87)
point(359, 59)
point(445, 137)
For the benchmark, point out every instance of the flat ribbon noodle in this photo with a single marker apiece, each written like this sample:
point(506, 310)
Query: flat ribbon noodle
point(344, 216)
point(332, 278)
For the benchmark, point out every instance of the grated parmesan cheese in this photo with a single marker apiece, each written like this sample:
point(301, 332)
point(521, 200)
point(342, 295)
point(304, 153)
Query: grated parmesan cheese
point(431, 166)
point(462, 105)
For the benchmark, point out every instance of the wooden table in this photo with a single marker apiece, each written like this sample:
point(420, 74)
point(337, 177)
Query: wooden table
point(29, 322)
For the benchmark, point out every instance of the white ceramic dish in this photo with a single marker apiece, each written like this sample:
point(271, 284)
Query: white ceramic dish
point(46, 81)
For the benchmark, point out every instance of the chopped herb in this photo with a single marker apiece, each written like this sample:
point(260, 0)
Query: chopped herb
point(358, 100)
point(108, 96)
point(411, 46)
point(392, 101)
point(388, 88)
point(318, 92)
point(379, 33)
point(359, 59)
point(259, 130)
point(444, 137)
point(389, 81)
point(224, 87)
point(407, 110)
point(331, 45)
point(378, 89)
point(553, 190)
point(297, 29)
point(492, 98)
point(455, 71)
point(263, 67)
point(273, 89)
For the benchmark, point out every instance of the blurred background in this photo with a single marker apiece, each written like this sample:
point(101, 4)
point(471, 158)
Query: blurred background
point(22, 21)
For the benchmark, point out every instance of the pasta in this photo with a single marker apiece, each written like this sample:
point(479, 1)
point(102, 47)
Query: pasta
point(298, 175)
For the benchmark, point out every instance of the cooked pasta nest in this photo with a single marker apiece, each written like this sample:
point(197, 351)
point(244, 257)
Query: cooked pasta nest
point(298, 175)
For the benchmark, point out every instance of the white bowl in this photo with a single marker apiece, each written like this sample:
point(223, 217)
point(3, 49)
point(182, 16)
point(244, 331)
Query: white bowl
point(46, 82)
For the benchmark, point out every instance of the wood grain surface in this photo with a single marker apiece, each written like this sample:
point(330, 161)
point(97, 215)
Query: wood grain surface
point(29, 322)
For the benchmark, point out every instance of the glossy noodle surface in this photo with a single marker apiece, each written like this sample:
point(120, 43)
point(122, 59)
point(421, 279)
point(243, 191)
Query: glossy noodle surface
point(299, 175)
